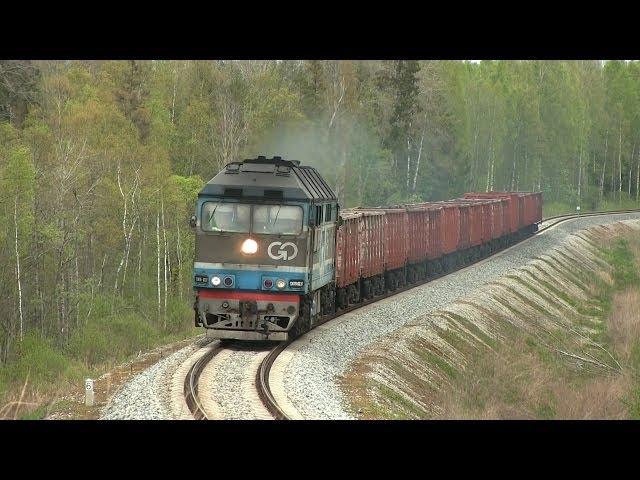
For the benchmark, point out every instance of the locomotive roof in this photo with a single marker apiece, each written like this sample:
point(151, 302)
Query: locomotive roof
point(269, 178)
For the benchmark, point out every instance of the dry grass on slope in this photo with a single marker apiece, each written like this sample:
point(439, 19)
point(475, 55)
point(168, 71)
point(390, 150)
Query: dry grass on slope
point(558, 338)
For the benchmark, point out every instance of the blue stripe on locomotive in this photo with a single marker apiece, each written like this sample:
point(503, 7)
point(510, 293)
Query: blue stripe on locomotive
point(252, 279)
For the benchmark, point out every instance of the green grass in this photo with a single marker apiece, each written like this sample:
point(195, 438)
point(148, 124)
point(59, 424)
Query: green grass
point(397, 400)
point(545, 411)
point(112, 334)
point(522, 375)
point(473, 329)
point(621, 257)
point(457, 339)
point(632, 399)
point(552, 209)
point(37, 414)
point(525, 300)
point(433, 359)
point(557, 208)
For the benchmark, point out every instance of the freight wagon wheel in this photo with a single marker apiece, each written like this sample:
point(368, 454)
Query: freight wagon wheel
point(341, 298)
point(439, 267)
point(367, 289)
point(390, 282)
point(354, 295)
point(411, 277)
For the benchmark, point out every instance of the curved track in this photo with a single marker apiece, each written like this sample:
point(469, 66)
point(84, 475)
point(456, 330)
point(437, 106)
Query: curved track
point(262, 375)
point(191, 383)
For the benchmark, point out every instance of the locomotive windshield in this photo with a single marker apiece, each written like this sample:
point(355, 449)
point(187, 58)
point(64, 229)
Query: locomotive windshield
point(226, 217)
point(244, 218)
point(277, 219)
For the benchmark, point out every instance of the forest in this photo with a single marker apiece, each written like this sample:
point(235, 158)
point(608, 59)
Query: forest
point(101, 163)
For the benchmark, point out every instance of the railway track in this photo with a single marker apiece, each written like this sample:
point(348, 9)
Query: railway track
point(262, 374)
point(192, 380)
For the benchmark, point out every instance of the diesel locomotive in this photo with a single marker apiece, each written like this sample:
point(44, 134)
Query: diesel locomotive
point(275, 254)
point(265, 247)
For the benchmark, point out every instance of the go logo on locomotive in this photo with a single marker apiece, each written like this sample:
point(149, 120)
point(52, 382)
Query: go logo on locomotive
point(283, 253)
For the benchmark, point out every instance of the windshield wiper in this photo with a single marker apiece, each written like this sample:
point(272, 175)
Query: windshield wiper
point(277, 213)
point(275, 220)
point(214, 211)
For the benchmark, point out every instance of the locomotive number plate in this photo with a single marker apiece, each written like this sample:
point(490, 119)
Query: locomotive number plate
point(296, 283)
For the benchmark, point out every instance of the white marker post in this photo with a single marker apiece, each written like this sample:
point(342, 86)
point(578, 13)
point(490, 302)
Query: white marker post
point(89, 395)
point(578, 209)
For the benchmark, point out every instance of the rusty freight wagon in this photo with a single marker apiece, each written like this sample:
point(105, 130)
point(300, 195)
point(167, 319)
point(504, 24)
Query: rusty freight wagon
point(524, 208)
point(347, 249)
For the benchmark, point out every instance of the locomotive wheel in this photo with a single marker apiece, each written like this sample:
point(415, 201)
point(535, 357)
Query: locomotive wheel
point(327, 301)
point(303, 322)
point(331, 301)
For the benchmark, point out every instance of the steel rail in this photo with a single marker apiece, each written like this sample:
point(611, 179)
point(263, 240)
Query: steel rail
point(191, 383)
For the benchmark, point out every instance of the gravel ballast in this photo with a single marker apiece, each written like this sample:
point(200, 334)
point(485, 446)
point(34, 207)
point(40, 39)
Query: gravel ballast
point(324, 354)
point(233, 388)
point(146, 396)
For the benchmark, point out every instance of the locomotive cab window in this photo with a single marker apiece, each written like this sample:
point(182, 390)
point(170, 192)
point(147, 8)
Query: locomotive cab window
point(245, 218)
point(318, 220)
point(226, 217)
point(277, 219)
point(327, 212)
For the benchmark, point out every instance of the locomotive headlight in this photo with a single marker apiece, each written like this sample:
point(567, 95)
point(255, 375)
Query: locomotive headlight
point(215, 281)
point(280, 283)
point(249, 246)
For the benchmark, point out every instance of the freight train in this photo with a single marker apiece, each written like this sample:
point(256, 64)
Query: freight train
point(275, 254)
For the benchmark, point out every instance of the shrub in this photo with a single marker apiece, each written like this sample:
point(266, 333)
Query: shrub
point(113, 337)
point(38, 358)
